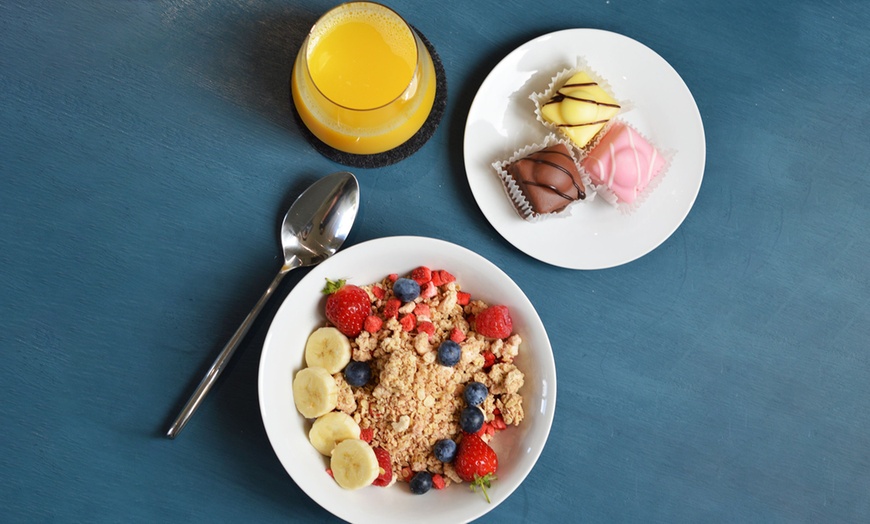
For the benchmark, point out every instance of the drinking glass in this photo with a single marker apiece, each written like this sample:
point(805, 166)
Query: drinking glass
point(363, 81)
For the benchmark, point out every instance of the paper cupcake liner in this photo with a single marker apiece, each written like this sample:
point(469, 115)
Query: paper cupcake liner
point(539, 99)
point(516, 195)
point(607, 195)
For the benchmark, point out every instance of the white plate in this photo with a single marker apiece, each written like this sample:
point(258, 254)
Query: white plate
point(518, 448)
point(502, 120)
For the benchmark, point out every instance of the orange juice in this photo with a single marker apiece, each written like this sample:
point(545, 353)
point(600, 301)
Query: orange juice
point(363, 81)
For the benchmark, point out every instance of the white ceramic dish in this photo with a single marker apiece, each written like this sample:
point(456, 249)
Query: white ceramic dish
point(518, 448)
point(501, 120)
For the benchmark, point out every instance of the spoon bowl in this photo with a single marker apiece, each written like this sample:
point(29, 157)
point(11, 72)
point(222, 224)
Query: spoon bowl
point(318, 223)
point(315, 226)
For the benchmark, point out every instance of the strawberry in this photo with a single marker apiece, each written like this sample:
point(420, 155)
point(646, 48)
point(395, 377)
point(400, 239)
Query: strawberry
point(456, 335)
point(378, 292)
point(476, 462)
point(386, 476)
point(494, 322)
point(347, 306)
point(367, 434)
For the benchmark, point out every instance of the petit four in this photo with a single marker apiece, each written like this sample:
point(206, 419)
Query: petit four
point(548, 179)
point(623, 163)
point(580, 108)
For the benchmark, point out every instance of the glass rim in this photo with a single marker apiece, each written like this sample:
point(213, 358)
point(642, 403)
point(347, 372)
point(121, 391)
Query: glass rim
point(417, 42)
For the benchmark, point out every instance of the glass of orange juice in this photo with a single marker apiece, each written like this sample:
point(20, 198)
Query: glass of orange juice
point(363, 81)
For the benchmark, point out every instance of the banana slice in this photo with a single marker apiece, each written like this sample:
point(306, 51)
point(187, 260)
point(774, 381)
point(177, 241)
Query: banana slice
point(330, 429)
point(314, 392)
point(354, 464)
point(327, 348)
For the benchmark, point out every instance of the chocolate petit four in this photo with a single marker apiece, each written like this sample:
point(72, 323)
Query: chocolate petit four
point(548, 179)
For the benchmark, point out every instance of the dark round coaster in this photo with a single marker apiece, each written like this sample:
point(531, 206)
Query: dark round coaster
point(398, 153)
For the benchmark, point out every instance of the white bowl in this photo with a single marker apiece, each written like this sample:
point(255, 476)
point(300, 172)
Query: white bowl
point(518, 448)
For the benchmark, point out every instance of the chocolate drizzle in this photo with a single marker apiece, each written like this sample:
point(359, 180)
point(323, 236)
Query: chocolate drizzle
point(581, 193)
point(560, 96)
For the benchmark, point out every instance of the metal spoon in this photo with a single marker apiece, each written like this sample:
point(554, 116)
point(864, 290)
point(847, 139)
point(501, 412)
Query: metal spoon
point(314, 227)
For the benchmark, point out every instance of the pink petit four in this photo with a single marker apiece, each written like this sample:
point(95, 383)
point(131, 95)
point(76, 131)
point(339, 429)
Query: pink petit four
point(623, 163)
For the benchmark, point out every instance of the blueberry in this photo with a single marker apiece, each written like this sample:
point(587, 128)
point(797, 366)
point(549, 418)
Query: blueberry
point(475, 393)
point(357, 373)
point(406, 289)
point(471, 419)
point(445, 450)
point(449, 353)
point(421, 482)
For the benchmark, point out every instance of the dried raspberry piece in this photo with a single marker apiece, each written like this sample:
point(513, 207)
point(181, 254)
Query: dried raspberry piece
point(408, 322)
point(391, 308)
point(488, 359)
point(498, 422)
point(393, 277)
point(373, 324)
point(428, 291)
point(436, 279)
point(426, 327)
point(438, 481)
point(422, 310)
point(463, 298)
point(457, 335)
point(421, 275)
point(367, 434)
point(445, 276)
point(486, 429)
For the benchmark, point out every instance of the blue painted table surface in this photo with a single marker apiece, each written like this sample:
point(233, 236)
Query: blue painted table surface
point(148, 151)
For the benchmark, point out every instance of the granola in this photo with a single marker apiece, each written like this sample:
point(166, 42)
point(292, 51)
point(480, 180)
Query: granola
point(412, 400)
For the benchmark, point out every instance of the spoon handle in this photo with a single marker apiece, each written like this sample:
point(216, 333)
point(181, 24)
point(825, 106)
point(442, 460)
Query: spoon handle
point(222, 359)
